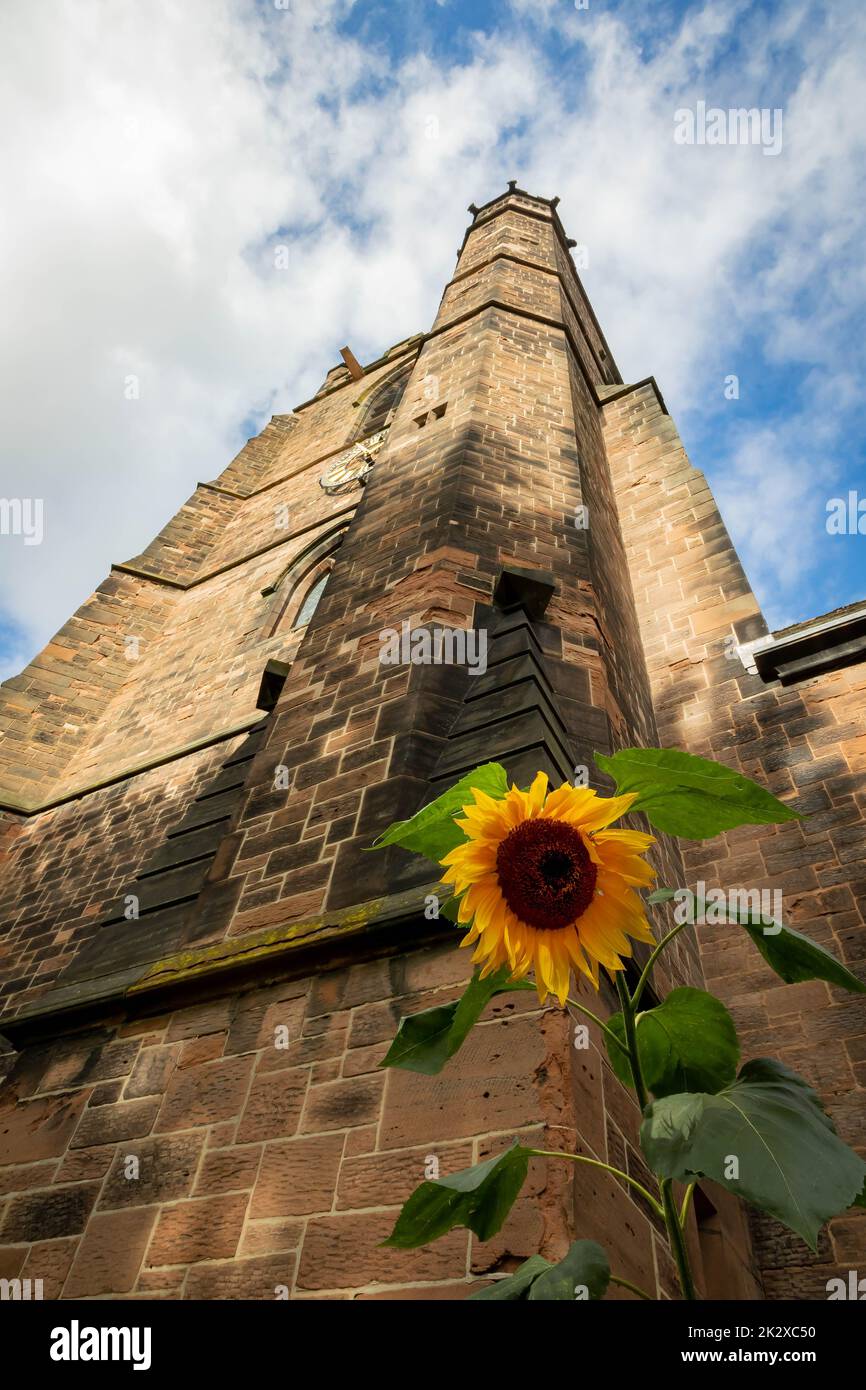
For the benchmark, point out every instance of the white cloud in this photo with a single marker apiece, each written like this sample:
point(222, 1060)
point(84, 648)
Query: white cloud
point(773, 498)
point(674, 232)
point(154, 155)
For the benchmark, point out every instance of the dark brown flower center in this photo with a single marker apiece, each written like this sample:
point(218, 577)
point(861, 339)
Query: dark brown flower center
point(545, 873)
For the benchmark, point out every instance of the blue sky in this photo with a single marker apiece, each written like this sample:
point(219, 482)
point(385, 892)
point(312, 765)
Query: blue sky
point(156, 156)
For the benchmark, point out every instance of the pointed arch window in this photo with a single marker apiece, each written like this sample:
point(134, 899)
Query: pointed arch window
point(311, 601)
point(299, 587)
point(378, 403)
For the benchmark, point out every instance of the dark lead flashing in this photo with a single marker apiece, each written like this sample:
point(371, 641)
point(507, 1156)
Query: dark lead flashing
point(531, 590)
point(826, 644)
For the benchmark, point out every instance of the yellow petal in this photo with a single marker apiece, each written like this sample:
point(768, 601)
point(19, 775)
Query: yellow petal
point(562, 968)
point(537, 792)
point(544, 968)
point(572, 944)
point(568, 800)
point(634, 840)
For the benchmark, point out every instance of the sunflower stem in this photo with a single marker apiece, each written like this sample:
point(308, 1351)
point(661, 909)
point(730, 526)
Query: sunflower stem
point(676, 1237)
point(633, 1288)
point(669, 1212)
point(603, 1026)
point(597, 1163)
point(647, 970)
point(627, 1005)
point(684, 1209)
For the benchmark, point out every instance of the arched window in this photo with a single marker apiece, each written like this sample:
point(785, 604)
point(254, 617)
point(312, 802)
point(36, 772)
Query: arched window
point(378, 404)
point(310, 603)
point(299, 587)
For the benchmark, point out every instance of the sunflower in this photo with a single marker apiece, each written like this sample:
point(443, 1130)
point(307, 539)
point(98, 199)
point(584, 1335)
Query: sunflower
point(547, 886)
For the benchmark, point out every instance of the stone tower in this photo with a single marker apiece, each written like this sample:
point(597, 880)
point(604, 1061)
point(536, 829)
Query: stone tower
point(195, 766)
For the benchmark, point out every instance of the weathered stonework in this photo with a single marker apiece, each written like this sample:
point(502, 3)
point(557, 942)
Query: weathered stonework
point(183, 748)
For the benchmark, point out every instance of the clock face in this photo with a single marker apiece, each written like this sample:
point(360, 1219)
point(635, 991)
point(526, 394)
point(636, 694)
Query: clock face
point(350, 469)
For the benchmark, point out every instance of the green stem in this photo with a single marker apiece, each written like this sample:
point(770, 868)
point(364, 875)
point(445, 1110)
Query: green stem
point(684, 1209)
point(633, 1288)
point(677, 1239)
point(647, 970)
point(603, 1026)
point(597, 1163)
point(627, 1005)
point(669, 1208)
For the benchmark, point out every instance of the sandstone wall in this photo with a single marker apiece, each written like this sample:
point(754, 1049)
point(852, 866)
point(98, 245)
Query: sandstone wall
point(264, 1168)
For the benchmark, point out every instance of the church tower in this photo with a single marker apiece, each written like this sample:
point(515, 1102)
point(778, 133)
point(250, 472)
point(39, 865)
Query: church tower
point(201, 964)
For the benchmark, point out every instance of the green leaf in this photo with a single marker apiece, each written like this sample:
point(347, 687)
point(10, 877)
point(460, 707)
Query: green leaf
point(691, 797)
point(793, 956)
point(479, 1197)
point(426, 1040)
point(449, 908)
point(661, 895)
point(688, 1043)
point(791, 1162)
point(517, 1285)
point(431, 830)
point(584, 1267)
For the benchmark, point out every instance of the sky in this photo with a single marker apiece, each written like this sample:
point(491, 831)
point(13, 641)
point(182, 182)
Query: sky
point(203, 200)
